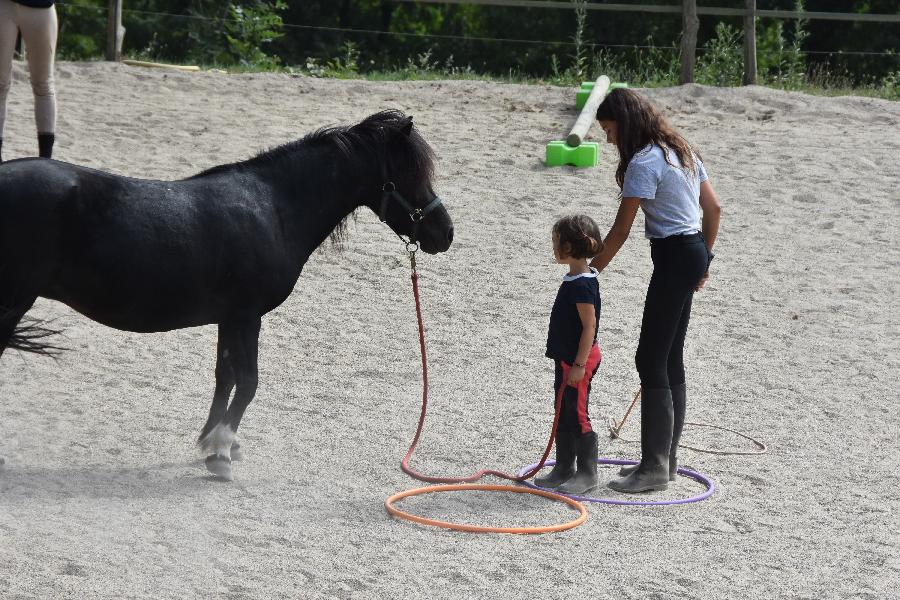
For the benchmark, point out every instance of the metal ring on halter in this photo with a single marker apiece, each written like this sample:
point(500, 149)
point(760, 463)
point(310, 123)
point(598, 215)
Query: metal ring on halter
point(413, 245)
point(388, 190)
point(417, 215)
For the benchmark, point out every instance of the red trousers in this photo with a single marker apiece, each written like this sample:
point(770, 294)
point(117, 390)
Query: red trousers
point(573, 416)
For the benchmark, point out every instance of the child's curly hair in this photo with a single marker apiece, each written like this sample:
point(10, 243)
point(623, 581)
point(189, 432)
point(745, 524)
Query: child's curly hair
point(578, 236)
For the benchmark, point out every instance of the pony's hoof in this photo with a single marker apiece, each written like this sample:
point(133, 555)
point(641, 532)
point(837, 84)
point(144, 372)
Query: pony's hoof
point(220, 466)
point(236, 453)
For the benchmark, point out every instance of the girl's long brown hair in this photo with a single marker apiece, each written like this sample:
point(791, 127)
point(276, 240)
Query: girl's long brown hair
point(640, 123)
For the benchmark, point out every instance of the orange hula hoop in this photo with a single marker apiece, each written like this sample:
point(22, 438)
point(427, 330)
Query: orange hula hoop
point(461, 487)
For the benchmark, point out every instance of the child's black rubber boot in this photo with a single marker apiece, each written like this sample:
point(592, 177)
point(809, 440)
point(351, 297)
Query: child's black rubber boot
point(586, 477)
point(564, 468)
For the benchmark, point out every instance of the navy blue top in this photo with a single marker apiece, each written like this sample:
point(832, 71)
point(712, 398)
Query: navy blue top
point(35, 3)
point(565, 324)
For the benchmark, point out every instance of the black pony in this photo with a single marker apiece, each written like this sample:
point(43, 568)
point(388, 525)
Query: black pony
point(225, 246)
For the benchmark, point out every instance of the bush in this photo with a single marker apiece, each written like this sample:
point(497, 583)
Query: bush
point(723, 62)
point(890, 86)
point(82, 34)
point(249, 29)
point(781, 63)
point(235, 34)
point(344, 66)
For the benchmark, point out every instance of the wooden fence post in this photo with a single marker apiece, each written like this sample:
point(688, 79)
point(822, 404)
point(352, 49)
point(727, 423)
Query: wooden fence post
point(115, 33)
point(689, 26)
point(750, 43)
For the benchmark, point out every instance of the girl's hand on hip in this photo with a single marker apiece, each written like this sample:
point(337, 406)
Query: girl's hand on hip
point(576, 374)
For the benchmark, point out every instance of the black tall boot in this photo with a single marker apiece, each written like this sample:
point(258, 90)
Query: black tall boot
point(657, 424)
point(679, 400)
point(564, 468)
point(586, 477)
point(45, 144)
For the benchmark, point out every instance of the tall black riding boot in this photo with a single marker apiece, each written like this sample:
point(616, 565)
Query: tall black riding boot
point(564, 468)
point(657, 424)
point(679, 400)
point(45, 144)
point(679, 396)
point(586, 477)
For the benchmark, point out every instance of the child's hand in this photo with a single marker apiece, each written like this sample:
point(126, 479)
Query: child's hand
point(576, 374)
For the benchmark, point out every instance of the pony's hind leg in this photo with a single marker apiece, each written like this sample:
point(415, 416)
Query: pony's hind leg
point(239, 344)
point(10, 336)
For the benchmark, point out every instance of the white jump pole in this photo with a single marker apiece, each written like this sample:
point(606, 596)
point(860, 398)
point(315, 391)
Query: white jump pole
point(588, 113)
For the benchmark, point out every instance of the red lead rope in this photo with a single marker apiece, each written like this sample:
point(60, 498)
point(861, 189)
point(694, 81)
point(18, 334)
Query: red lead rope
point(404, 464)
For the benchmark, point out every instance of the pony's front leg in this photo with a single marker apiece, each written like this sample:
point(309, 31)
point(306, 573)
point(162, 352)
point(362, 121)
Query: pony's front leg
point(228, 338)
point(239, 346)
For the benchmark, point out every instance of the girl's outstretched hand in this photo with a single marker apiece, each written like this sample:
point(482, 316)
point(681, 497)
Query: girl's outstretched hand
point(576, 374)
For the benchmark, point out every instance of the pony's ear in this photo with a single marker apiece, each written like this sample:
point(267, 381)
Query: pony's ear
point(406, 128)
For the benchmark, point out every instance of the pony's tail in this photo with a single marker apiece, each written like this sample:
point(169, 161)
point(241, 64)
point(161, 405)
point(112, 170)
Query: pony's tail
point(30, 335)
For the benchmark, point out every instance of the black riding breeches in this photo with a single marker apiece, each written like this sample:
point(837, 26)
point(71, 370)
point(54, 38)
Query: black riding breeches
point(679, 262)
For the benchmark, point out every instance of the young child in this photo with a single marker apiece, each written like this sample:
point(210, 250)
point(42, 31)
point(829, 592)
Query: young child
point(572, 344)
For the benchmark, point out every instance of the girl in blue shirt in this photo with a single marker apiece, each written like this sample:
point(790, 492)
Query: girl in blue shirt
point(572, 344)
point(660, 173)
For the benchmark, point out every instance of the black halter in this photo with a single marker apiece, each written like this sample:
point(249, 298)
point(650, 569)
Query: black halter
point(389, 192)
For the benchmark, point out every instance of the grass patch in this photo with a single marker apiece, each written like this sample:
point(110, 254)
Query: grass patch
point(648, 67)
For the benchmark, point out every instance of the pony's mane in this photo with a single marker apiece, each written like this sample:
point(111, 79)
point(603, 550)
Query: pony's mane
point(358, 144)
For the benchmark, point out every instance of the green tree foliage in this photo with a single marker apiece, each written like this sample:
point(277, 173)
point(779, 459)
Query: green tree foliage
point(361, 36)
point(249, 31)
point(722, 64)
point(82, 27)
point(239, 32)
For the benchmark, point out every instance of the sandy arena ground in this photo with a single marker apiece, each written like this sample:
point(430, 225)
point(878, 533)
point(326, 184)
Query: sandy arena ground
point(795, 341)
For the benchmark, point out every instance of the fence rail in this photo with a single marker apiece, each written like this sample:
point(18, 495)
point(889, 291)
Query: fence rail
point(670, 9)
point(688, 10)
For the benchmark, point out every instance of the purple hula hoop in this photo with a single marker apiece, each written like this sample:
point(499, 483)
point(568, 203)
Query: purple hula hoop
point(710, 486)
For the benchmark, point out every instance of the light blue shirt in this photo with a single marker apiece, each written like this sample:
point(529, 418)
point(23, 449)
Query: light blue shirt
point(670, 194)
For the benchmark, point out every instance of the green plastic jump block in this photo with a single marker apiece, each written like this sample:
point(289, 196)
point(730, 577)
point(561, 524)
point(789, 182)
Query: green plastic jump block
point(589, 85)
point(585, 155)
point(581, 95)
